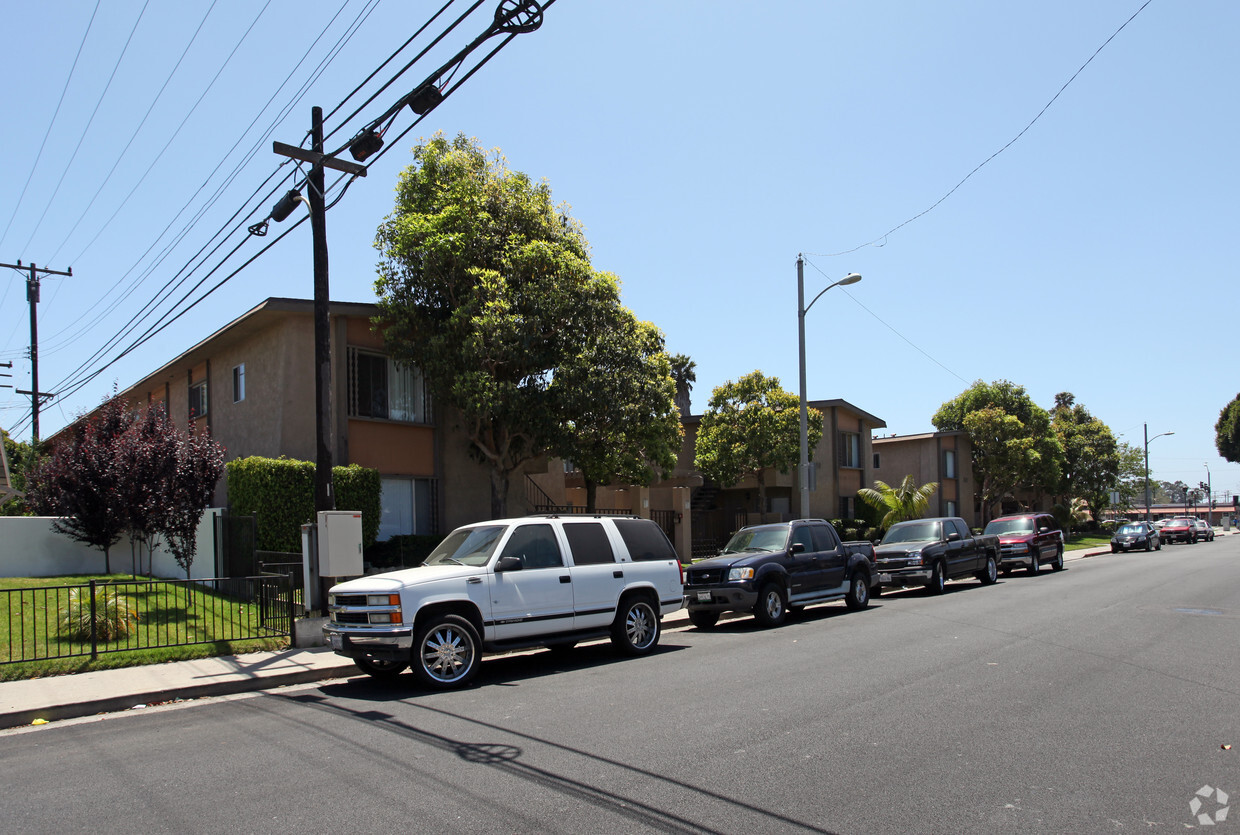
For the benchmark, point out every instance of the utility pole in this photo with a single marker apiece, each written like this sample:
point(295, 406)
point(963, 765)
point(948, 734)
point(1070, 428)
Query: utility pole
point(316, 202)
point(32, 296)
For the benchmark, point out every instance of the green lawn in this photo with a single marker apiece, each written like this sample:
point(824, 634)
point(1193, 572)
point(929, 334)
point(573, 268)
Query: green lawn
point(30, 627)
point(1078, 541)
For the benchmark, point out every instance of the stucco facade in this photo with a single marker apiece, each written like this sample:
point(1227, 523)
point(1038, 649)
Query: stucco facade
point(943, 457)
point(258, 375)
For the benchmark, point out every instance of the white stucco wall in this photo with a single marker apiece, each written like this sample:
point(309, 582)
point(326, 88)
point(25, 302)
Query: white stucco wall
point(30, 547)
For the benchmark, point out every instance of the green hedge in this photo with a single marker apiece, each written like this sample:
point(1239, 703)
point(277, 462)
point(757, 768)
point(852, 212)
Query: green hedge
point(280, 492)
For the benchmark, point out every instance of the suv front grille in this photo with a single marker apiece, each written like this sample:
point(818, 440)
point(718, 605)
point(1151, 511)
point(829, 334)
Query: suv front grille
point(703, 577)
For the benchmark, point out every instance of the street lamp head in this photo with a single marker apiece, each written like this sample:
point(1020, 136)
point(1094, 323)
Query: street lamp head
point(851, 278)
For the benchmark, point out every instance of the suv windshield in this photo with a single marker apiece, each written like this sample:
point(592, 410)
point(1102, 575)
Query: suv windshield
point(1181, 523)
point(774, 538)
point(466, 546)
point(913, 532)
point(998, 527)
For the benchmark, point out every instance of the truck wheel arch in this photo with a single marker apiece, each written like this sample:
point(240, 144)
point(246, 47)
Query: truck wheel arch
point(461, 608)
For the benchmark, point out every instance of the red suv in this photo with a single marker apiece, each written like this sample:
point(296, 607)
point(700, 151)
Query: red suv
point(1026, 539)
point(1179, 529)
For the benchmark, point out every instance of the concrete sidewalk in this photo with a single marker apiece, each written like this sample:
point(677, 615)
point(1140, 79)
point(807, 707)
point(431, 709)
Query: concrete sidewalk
point(110, 691)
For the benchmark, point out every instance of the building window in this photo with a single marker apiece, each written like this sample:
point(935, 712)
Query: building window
point(379, 387)
point(850, 449)
point(950, 508)
point(198, 399)
point(408, 507)
point(949, 463)
point(876, 464)
point(239, 383)
point(847, 507)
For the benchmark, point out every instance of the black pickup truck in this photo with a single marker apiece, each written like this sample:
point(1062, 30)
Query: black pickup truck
point(773, 569)
point(929, 552)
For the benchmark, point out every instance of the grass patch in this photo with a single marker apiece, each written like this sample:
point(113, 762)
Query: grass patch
point(169, 617)
point(1078, 541)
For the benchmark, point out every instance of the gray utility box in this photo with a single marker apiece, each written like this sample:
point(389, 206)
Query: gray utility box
point(340, 543)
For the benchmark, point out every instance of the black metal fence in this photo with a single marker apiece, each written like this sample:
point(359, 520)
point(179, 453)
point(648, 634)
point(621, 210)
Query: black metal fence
point(101, 616)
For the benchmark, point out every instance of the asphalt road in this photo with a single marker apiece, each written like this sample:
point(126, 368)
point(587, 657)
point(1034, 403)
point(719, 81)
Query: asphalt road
point(1096, 699)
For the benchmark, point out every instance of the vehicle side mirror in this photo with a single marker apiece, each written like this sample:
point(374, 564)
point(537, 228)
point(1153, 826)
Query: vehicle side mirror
point(953, 536)
point(797, 548)
point(509, 564)
point(1043, 530)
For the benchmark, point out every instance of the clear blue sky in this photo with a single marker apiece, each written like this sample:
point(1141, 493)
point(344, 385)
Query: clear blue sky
point(703, 145)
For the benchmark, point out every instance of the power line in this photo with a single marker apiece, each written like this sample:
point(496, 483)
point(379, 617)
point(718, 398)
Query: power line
point(136, 130)
point(890, 328)
point(89, 122)
point(505, 21)
point(52, 122)
point(1011, 142)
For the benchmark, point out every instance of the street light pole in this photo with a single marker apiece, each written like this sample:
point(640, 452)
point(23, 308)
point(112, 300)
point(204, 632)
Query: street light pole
point(1209, 496)
point(1146, 430)
point(802, 309)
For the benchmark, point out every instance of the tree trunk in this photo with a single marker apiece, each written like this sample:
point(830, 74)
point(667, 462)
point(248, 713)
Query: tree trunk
point(499, 493)
point(107, 559)
point(591, 495)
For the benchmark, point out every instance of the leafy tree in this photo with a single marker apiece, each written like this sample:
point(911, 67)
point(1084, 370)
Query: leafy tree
point(81, 481)
point(487, 288)
point(1227, 431)
point(188, 492)
point(618, 407)
point(147, 454)
point(1013, 444)
point(21, 458)
point(750, 425)
point(684, 375)
point(1091, 459)
point(1130, 479)
point(908, 501)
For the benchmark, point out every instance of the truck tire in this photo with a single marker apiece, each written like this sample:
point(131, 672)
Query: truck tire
point(771, 609)
point(446, 652)
point(938, 579)
point(858, 596)
point(382, 670)
point(1057, 563)
point(703, 619)
point(990, 572)
point(636, 628)
point(1034, 563)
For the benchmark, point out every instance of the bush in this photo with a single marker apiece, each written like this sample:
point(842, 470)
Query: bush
point(115, 615)
point(280, 492)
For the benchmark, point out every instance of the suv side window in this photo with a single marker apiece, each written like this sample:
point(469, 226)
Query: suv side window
point(961, 528)
point(802, 535)
point(824, 540)
point(645, 540)
point(535, 546)
point(588, 543)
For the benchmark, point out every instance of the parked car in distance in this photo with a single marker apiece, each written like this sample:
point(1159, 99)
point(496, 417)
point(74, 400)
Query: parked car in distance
point(506, 584)
point(1136, 535)
point(1026, 540)
point(773, 569)
point(1204, 531)
point(930, 552)
point(1179, 529)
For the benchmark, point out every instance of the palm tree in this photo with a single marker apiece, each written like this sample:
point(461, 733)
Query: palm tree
point(684, 375)
point(908, 501)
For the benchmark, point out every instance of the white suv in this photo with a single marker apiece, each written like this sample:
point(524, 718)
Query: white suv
point(508, 584)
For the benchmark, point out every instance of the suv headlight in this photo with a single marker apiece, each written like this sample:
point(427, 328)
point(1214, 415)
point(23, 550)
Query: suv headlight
point(914, 557)
point(740, 574)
